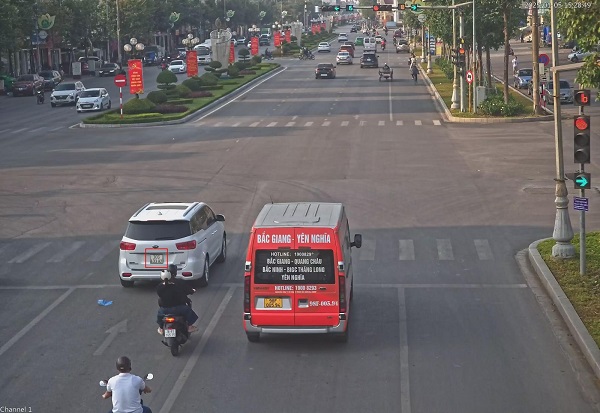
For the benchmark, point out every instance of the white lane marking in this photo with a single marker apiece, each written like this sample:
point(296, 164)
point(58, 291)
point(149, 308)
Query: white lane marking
point(381, 123)
point(103, 251)
point(270, 125)
point(407, 250)
point(36, 130)
point(55, 129)
point(4, 130)
point(189, 366)
point(294, 117)
point(367, 250)
point(404, 367)
point(65, 252)
point(235, 125)
point(344, 123)
point(36, 320)
point(436, 122)
point(218, 124)
point(254, 124)
point(363, 122)
point(290, 124)
point(308, 124)
point(444, 248)
point(18, 130)
point(399, 123)
point(390, 101)
point(484, 252)
point(326, 123)
point(418, 123)
point(29, 253)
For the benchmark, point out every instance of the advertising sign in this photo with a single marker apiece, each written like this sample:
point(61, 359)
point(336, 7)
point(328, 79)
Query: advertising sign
point(254, 46)
point(277, 39)
point(191, 59)
point(288, 36)
point(76, 69)
point(136, 76)
point(231, 52)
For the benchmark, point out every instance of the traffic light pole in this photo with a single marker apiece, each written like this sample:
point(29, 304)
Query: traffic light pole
point(455, 80)
point(582, 261)
point(461, 29)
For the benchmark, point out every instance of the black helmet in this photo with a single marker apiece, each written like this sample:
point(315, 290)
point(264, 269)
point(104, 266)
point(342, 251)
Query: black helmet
point(173, 270)
point(124, 364)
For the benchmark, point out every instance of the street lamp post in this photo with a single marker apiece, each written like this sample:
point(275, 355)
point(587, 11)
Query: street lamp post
point(133, 47)
point(190, 41)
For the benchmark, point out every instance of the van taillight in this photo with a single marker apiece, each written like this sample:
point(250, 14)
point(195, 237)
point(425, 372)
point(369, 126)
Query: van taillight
point(188, 245)
point(342, 294)
point(246, 294)
point(126, 246)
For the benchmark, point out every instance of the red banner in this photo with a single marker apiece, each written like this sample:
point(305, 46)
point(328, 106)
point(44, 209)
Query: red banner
point(231, 52)
point(136, 76)
point(254, 46)
point(315, 29)
point(191, 59)
point(277, 39)
point(288, 36)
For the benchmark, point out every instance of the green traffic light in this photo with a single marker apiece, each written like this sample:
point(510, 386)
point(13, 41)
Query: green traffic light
point(336, 8)
point(414, 7)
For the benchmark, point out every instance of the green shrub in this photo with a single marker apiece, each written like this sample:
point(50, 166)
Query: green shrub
point(191, 84)
point(255, 60)
point(209, 69)
point(165, 87)
point(233, 71)
point(247, 72)
point(172, 93)
point(286, 47)
point(183, 91)
point(201, 94)
point(171, 109)
point(166, 77)
point(446, 66)
point(494, 105)
point(242, 65)
point(244, 54)
point(208, 79)
point(215, 64)
point(135, 106)
point(157, 97)
point(181, 101)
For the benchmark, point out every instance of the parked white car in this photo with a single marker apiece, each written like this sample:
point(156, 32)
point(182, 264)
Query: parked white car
point(178, 66)
point(93, 99)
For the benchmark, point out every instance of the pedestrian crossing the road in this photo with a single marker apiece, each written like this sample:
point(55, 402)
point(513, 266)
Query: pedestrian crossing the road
point(96, 251)
point(317, 123)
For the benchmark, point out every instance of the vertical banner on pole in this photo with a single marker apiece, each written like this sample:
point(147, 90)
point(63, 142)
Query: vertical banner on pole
point(136, 77)
point(191, 59)
point(231, 52)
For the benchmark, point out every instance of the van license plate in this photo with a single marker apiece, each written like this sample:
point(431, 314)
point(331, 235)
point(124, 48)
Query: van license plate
point(157, 259)
point(273, 303)
point(170, 332)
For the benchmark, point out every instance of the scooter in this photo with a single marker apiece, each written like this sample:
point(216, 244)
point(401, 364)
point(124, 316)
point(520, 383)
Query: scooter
point(175, 332)
point(147, 377)
point(268, 56)
point(40, 96)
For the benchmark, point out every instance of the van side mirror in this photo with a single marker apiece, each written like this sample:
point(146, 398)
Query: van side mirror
point(220, 217)
point(357, 241)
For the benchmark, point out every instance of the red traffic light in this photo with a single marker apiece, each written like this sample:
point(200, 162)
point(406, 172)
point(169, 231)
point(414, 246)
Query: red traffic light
point(582, 122)
point(376, 7)
point(402, 7)
point(461, 50)
point(582, 97)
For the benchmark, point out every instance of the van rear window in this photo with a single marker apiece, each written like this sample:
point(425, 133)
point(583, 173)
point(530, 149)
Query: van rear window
point(294, 267)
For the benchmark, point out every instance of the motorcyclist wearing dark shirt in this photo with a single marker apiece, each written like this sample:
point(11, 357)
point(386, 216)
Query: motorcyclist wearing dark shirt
point(173, 299)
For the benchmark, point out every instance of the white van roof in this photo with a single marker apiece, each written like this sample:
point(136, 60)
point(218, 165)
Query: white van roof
point(293, 214)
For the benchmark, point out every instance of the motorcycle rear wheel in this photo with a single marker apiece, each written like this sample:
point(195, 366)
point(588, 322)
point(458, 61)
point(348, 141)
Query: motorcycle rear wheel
point(174, 346)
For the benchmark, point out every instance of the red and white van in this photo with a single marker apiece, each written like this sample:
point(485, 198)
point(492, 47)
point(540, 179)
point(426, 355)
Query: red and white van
point(298, 274)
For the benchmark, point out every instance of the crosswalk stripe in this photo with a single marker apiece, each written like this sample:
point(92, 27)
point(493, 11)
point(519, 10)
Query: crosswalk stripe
point(103, 251)
point(399, 123)
point(363, 122)
point(444, 248)
point(254, 124)
point(290, 124)
point(29, 253)
point(418, 123)
point(326, 123)
point(381, 123)
point(270, 125)
point(407, 250)
point(367, 250)
point(235, 125)
point(308, 123)
point(66, 251)
point(436, 122)
point(344, 123)
point(484, 252)
point(218, 124)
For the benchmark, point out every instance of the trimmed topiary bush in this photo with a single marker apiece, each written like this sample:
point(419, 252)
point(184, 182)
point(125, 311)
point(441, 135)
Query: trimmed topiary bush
point(247, 72)
point(171, 109)
point(244, 54)
point(242, 65)
point(192, 84)
point(215, 64)
point(183, 91)
point(135, 106)
point(201, 94)
point(208, 79)
point(255, 60)
point(157, 97)
point(233, 71)
point(166, 77)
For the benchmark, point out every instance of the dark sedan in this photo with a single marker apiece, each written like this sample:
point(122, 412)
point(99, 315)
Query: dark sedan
point(27, 85)
point(325, 70)
point(109, 69)
point(51, 79)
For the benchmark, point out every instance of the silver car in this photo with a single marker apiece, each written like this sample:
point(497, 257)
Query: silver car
point(343, 57)
point(189, 235)
point(522, 78)
point(66, 93)
point(93, 99)
point(566, 93)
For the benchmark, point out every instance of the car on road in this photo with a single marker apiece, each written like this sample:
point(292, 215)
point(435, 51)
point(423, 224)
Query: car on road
point(241, 41)
point(578, 55)
point(325, 70)
point(66, 93)
point(51, 78)
point(109, 69)
point(566, 93)
point(353, 29)
point(379, 39)
point(369, 59)
point(178, 66)
point(346, 48)
point(342, 37)
point(27, 85)
point(324, 47)
point(264, 40)
point(187, 234)
point(402, 46)
point(8, 81)
point(343, 57)
point(522, 78)
point(369, 43)
point(203, 55)
point(359, 41)
point(93, 99)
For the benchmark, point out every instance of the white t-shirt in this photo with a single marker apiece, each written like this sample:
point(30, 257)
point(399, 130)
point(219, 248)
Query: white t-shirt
point(125, 390)
point(515, 63)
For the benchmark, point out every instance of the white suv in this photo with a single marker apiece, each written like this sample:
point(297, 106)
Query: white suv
point(187, 234)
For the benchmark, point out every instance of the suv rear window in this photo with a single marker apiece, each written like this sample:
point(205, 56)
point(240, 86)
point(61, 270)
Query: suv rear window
point(285, 266)
point(158, 230)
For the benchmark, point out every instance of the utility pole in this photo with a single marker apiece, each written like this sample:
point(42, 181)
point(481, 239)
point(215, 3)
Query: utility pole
point(455, 92)
point(474, 84)
point(535, 51)
point(118, 35)
point(461, 30)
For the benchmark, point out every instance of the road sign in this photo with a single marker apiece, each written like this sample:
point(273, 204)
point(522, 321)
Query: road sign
point(543, 58)
point(120, 80)
point(422, 18)
point(580, 204)
point(583, 180)
point(469, 77)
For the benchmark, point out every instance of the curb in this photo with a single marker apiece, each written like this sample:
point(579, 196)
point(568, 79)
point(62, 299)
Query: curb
point(191, 116)
point(453, 119)
point(576, 327)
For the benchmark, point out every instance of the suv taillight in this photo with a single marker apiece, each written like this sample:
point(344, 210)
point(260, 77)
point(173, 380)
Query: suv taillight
point(188, 245)
point(246, 294)
point(126, 246)
point(342, 294)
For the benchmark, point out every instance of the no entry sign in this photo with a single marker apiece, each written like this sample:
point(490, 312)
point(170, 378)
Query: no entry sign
point(120, 80)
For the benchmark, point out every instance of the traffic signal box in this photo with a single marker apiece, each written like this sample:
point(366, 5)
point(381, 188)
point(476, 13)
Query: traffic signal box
point(401, 7)
point(349, 7)
point(382, 7)
point(581, 148)
point(330, 8)
point(581, 97)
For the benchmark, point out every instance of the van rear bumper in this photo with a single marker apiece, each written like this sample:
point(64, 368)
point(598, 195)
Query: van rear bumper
point(251, 328)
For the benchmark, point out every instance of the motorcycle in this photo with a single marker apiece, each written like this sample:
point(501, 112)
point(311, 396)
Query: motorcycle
point(40, 96)
point(268, 56)
point(175, 332)
point(147, 377)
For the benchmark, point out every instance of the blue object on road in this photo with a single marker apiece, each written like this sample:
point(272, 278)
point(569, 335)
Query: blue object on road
point(104, 303)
